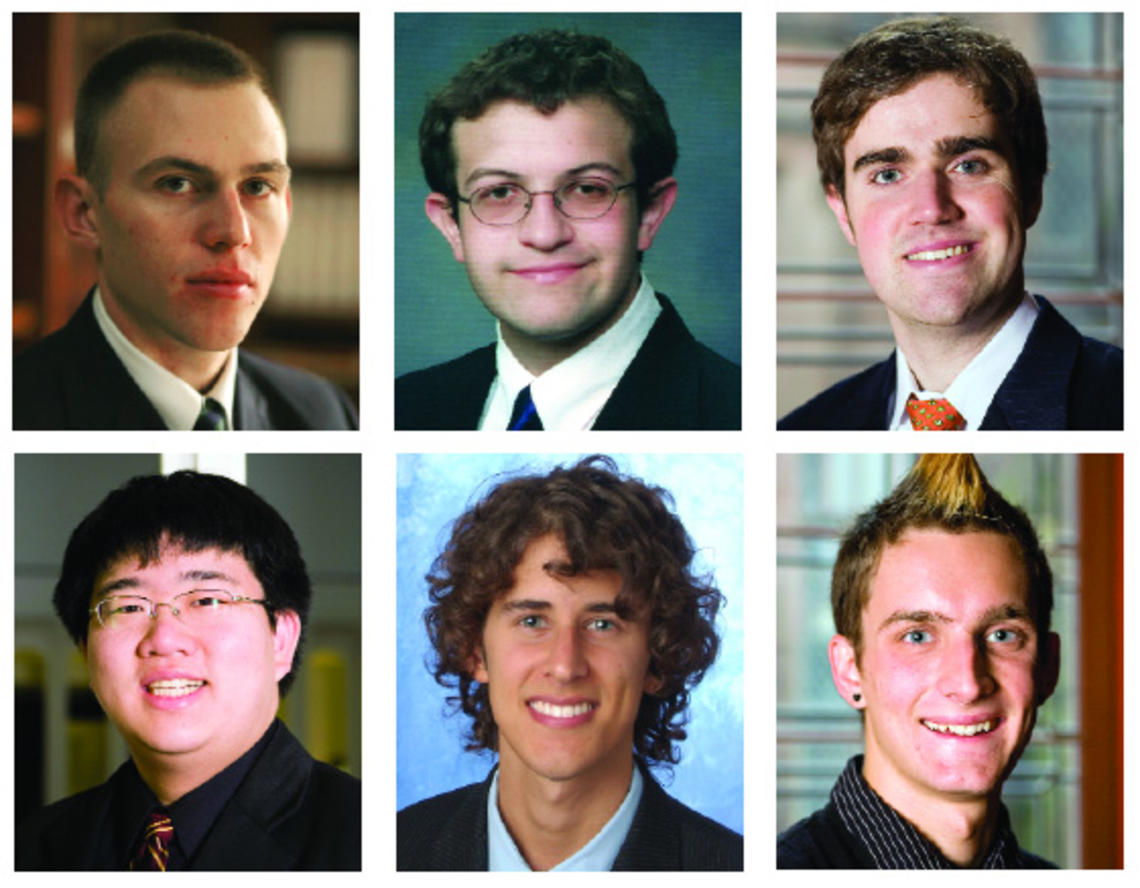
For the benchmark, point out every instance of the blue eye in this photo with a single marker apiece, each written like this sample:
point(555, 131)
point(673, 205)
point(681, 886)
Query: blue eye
point(531, 621)
point(917, 636)
point(602, 624)
point(973, 166)
point(886, 177)
point(1004, 635)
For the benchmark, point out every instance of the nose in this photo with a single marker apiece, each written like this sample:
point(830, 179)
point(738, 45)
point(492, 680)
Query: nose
point(965, 674)
point(545, 227)
point(166, 634)
point(932, 199)
point(226, 223)
point(567, 659)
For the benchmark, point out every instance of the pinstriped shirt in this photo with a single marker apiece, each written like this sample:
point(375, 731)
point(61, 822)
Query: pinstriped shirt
point(893, 841)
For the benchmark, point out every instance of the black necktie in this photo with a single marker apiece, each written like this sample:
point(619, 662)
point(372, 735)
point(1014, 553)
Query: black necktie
point(524, 418)
point(212, 418)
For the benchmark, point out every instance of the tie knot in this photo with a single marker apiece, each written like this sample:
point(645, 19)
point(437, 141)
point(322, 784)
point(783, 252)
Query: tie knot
point(212, 417)
point(154, 849)
point(524, 418)
point(933, 415)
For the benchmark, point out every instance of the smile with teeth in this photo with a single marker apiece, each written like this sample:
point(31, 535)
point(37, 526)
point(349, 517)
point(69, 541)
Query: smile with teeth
point(553, 711)
point(937, 255)
point(175, 687)
point(962, 730)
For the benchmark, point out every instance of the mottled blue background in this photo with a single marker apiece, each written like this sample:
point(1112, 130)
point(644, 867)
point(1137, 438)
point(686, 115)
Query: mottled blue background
point(432, 490)
point(693, 60)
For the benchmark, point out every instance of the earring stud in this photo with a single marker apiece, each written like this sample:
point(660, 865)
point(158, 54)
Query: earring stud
point(856, 697)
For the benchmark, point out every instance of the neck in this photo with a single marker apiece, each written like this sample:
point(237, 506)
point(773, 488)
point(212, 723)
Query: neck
point(539, 355)
point(937, 354)
point(551, 819)
point(963, 830)
point(197, 368)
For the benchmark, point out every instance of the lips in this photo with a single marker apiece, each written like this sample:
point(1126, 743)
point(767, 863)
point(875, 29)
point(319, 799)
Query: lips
point(224, 283)
point(549, 274)
point(177, 687)
point(962, 729)
point(940, 251)
point(561, 713)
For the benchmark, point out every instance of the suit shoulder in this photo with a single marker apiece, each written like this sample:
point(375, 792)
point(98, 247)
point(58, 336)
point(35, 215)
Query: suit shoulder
point(448, 372)
point(40, 835)
point(847, 400)
point(442, 831)
point(447, 396)
point(312, 401)
point(705, 843)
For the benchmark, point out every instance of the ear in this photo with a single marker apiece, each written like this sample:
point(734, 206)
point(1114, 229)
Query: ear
point(289, 201)
point(286, 633)
point(438, 209)
point(477, 666)
point(1048, 667)
point(839, 208)
point(653, 683)
point(75, 202)
point(662, 196)
point(845, 670)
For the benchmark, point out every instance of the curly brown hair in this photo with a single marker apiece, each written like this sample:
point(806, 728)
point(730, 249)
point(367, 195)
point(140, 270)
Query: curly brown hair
point(891, 58)
point(605, 521)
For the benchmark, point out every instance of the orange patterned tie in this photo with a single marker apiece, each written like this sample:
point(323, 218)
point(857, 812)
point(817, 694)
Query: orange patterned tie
point(933, 415)
point(154, 851)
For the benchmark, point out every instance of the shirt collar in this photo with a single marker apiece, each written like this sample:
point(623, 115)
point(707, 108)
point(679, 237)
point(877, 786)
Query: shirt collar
point(892, 841)
point(177, 402)
point(597, 855)
point(973, 389)
point(570, 395)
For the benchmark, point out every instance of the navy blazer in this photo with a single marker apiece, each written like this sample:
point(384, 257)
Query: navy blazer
point(73, 379)
point(290, 812)
point(449, 832)
point(673, 384)
point(1061, 380)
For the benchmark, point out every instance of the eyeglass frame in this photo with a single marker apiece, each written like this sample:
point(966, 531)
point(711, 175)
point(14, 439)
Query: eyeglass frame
point(174, 609)
point(531, 195)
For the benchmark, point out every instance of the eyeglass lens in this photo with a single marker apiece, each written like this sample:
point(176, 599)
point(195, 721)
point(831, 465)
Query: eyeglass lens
point(508, 202)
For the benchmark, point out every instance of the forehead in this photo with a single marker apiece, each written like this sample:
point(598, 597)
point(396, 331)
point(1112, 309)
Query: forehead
point(956, 574)
point(934, 108)
point(536, 576)
point(214, 124)
point(174, 564)
point(513, 136)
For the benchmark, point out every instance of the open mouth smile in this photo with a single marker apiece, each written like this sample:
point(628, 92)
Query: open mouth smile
point(174, 687)
point(939, 255)
point(983, 727)
point(552, 711)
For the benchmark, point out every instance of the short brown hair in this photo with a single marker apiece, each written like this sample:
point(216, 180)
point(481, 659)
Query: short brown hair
point(183, 55)
point(943, 491)
point(894, 56)
point(605, 521)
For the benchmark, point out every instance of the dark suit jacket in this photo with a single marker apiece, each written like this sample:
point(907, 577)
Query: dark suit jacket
point(73, 380)
point(673, 384)
point(289, 813)
point(449, 832)
point(1061, 380)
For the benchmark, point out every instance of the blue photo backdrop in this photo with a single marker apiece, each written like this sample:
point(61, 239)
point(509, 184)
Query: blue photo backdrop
point(435, 489)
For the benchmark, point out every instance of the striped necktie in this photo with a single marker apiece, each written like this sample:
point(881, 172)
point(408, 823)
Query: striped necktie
point(524, 418)
point(212, 418)
point(154, 849)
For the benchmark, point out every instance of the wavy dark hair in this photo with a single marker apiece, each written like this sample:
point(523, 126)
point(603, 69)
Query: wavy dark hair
point(606, 521)
point(891, 58)
point(945, 491)
point(195, 511)
point(544, 69)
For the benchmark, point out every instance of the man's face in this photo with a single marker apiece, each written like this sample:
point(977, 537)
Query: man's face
point(949, 674)
point(933, 207)
point(565, 673)
point(548, 278)
point(189, 695)
point(196, 208)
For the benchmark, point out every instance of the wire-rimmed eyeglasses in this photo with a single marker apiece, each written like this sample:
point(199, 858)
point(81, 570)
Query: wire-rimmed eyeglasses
point(507, 203)
point(198, 607)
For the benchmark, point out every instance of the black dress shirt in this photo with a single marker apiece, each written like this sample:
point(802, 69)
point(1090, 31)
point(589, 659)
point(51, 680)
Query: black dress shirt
point(858, 830)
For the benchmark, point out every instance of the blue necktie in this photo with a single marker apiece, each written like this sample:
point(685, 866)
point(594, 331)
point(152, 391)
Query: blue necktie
point(524, 418)
point(212, 418)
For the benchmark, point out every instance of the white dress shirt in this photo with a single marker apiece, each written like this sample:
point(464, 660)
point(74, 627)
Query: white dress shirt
point(570, 395)
point(177, 402)
point(973, 389)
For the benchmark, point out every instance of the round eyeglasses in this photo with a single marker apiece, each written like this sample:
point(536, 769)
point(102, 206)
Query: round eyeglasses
point(505, 203)
point(198, 608)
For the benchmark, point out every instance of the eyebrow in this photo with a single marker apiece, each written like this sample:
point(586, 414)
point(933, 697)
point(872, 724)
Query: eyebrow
point(529, 604)
point(592, 166)
point(188, 576)
point(949, 146)
point(170, 161)
point(990, 615)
